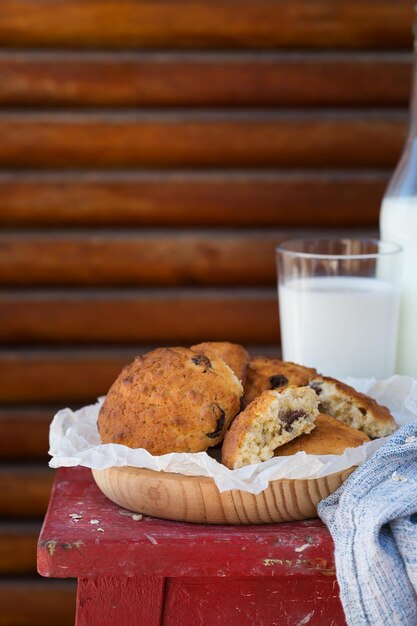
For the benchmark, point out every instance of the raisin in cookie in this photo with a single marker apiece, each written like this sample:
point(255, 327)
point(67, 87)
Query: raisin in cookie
point(270, 421)
point(170, 400)
point(233, 354)
point(353, 408)
point(328, 437)
point(264, 373)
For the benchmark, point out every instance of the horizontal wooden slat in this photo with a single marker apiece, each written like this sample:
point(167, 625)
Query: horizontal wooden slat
point(18, 547)
point(24, 432)
point(25, 490)
point(35, 602)
point(69, 376)
point(137, 258)
point(184, 198)
point(254, 23)
point(211, 79)
point(184, 258)
point(59, 376)
point(91, 316)
point(205, 138)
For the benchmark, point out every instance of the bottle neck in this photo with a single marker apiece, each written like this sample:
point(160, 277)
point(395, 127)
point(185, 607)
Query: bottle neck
point(412, 131)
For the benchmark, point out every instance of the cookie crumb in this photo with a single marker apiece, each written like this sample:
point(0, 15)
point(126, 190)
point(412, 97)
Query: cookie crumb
point(100, 530)
point(137, 517)
point(301, 548)
point(94, 521)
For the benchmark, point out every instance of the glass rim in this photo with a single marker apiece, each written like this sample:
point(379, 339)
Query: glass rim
point(393, 248)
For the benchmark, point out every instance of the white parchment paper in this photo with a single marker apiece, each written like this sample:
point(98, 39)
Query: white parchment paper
point(74, 440)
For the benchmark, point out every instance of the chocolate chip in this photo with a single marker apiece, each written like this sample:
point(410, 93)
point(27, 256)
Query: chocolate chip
point(290, 416)
point(362, 410)
point(316, 386)
point(120, 436)
point(278, 381)
point(219, 423)
point(202, 360)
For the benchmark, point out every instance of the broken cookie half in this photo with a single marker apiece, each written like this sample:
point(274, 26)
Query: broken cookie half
point(352, 407)
point(270, 421)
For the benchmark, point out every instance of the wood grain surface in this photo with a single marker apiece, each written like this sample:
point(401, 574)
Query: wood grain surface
point(257, 23)
point(225, 601)
point(139, 259)
point(95, 79)
point(74, 376)
point(139, 316)
point(35, 602)
point(137, 599)
point(202, 139)
point(24, 433)
point(244, 198)
point(197, 498)
point(18, 541)
point(157, 547)
point(25, 490)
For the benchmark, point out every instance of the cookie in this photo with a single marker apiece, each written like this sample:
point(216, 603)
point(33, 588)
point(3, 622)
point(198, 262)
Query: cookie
point(353, 408)
point(264, 373)
point(170, 400)
point(328, 437)
point(271, 420)
point(233, 354)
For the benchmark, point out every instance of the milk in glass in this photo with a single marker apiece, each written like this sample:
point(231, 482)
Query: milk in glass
point(341, 325)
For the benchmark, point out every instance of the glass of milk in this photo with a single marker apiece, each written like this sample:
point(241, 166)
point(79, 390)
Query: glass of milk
point(339, 305)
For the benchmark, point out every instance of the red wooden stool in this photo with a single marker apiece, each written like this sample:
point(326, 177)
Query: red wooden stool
point(135, 571)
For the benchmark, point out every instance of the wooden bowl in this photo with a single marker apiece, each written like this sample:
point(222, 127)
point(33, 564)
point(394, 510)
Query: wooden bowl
point(197, 499)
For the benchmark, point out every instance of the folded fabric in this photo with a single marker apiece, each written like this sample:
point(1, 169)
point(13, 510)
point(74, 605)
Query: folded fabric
point(372, 518)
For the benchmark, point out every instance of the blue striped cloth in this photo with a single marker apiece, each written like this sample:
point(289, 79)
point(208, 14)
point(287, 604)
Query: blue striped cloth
point(373, 521)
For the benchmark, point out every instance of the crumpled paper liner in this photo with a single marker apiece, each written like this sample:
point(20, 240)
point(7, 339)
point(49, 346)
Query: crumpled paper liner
point(74, 440)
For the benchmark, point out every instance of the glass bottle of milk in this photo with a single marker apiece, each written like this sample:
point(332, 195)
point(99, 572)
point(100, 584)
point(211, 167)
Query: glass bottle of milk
point(398, 223)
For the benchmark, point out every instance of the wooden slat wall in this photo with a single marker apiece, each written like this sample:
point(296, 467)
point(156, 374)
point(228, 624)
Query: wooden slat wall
point(189, 79)
point(261, 198)
point(152, 155)
point(200, 24)
point(26, 602)
point(201, 139)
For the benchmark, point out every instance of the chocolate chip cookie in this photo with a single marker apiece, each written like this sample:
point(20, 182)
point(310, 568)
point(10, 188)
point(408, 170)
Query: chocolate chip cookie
point(170, 400)
point(352, 407)
point(264, 373)
point(270, 421)
point(234, 355)
point(328, 437)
